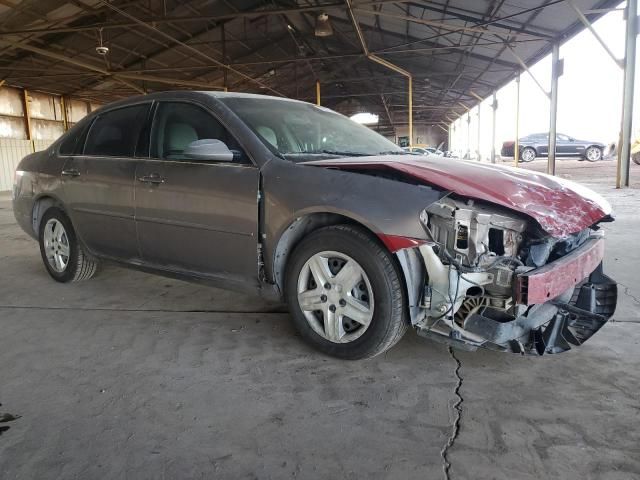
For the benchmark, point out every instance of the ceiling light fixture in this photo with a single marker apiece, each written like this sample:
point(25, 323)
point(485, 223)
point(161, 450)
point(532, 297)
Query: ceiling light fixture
point(101, 49)
point(323, 26)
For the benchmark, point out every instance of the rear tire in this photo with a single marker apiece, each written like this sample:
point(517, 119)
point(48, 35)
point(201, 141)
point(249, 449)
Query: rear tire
point(377, 278)
point(528, 155)
point(63, 256)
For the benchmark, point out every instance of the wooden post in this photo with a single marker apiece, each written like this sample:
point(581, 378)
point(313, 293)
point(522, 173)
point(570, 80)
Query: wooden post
point(27, 118)
point(65, 119)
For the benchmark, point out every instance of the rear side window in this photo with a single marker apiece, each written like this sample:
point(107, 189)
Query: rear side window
point(74, 141)
point(116, 133)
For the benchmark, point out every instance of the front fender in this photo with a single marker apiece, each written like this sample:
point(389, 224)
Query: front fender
point(384, 206)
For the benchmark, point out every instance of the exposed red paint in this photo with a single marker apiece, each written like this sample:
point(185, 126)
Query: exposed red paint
point(395, 242)
point(541, 285)
point(560, 206)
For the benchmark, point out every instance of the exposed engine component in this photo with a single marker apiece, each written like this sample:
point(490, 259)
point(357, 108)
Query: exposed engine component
point(477, 256)
point(476, 237)
point(469, 305)
point(476, 232)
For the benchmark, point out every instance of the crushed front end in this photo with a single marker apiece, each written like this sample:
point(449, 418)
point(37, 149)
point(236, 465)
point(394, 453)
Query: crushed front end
point(490, 277)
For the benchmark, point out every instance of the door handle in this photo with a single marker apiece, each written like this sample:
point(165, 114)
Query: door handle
point(71, 172)
point(152, 178)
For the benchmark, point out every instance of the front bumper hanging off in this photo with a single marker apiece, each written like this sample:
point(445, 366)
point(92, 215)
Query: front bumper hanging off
point(565, 323)
point(563, 310)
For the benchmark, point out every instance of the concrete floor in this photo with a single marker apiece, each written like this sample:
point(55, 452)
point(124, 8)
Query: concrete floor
point(135, 376)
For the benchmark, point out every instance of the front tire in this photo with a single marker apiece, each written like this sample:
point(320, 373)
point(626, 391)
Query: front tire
point(593, 154)
point(63, 256)
point(345, 293)
point(528, 155)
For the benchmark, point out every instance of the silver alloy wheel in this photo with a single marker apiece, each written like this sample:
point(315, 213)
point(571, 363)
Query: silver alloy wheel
point(336, 297)
point(528, 155)
point(593, 154)
point(56, 245)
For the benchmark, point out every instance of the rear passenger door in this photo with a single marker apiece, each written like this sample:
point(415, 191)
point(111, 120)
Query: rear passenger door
point(98, 183)
point(542, 142)
point(196, 217)
point(564, 146)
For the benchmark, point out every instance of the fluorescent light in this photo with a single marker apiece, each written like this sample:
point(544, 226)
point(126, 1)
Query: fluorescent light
point(365, 118)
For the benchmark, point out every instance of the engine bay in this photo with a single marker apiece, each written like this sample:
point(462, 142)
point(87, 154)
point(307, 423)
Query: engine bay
point(475, 255)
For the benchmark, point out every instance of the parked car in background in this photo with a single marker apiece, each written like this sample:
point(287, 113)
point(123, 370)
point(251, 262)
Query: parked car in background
point(537, 145)
point(297, 203)
point(424, 151)
point(414, 150)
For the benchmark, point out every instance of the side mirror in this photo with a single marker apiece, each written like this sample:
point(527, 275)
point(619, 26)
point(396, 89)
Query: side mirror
point(208, 150)
point(571, 139)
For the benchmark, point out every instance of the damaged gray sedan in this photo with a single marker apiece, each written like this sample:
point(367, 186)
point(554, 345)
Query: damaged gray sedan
point(297, 203)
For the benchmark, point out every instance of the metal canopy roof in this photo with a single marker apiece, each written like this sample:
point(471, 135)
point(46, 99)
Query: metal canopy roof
point(456, 50)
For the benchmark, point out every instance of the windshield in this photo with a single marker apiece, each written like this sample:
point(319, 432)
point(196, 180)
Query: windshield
point(301, 131)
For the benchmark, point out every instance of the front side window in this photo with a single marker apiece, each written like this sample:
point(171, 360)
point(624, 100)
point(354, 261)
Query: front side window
point(116, 133)
point(562, 138)
point(178, 124)
point(300, 131)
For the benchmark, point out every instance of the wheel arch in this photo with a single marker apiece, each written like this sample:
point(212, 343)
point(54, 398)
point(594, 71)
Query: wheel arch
point(40, 206)
point(299, 228)
point(407, 261)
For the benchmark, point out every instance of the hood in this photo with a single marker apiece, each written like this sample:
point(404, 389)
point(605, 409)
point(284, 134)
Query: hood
point(560, 206)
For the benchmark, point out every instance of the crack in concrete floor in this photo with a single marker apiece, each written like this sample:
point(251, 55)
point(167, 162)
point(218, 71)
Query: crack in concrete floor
point(457, 406)
point(627, 292)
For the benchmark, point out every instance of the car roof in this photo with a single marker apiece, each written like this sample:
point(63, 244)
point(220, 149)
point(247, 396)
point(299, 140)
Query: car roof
point(186, 94)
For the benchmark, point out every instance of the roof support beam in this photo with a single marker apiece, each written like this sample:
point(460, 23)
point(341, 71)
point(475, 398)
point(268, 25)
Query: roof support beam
point(526, 68)
point(150, 21)
point(384, 63)
point(116, 75)
point(188, 47)
point(600, 40)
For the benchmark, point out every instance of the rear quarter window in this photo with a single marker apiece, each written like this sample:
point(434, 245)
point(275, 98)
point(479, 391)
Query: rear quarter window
point(74, 140)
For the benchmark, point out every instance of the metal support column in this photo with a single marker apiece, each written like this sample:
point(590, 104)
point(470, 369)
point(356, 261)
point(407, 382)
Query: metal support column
point(478, 139)
point(225, 72)
point(410, 79)
point(467, 155)
point(553, 108)
point(318, 92)
point(516, 146)
point(494, 108)
point(624, 150)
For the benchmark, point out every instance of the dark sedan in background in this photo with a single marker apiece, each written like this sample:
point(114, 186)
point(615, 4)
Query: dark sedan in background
point(537, 145)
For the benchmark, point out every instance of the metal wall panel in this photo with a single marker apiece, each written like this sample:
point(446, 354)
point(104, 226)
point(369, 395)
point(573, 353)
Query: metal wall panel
point(46, 129)
point(11, 102)
point(11, 152)
point(12, 127)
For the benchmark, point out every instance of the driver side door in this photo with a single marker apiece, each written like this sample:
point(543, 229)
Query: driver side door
point(196, 217)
